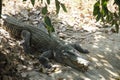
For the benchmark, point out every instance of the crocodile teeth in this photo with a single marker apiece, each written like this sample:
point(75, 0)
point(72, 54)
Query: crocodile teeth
point(83, 61)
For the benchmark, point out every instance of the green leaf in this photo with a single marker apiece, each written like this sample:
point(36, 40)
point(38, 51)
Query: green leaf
point(33, 2)
point(102, 13)
point(44, 10)
point(48, 1)
point(47, 21)
point(106, 11)
point(98, 17)
point(109, 18)
point(96, 8)
point(57, 4)
point(63, 7)
point(48, 24)
point(104, 8)
point(41, 1)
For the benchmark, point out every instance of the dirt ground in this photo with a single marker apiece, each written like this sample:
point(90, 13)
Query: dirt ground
point(77, 25)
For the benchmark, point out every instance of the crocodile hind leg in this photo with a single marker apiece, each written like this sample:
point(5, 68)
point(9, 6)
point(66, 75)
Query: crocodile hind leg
point(26, 38)
point(79, 48)
point(44, 59)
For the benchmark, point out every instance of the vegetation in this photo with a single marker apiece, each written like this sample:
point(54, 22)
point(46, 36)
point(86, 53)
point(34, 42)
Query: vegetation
point(102, 13)
point(47, 20)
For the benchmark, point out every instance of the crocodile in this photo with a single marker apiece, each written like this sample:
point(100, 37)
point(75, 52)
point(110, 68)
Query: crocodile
point(48, 46)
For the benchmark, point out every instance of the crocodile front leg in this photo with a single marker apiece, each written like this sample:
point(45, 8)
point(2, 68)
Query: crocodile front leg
point(79, 48)
point(44, 58)
point(26, 37)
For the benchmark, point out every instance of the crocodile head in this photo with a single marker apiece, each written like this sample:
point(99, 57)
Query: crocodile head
point(73, 59)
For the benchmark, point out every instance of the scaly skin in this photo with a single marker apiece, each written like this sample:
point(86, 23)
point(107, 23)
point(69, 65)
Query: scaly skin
point(40, 41)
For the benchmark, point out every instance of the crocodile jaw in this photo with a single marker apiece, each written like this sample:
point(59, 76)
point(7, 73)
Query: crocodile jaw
point(77, 63)
point(73, 60)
